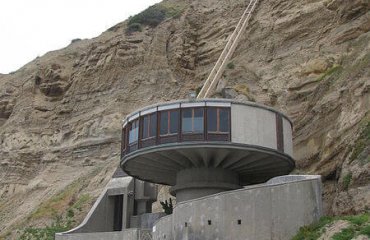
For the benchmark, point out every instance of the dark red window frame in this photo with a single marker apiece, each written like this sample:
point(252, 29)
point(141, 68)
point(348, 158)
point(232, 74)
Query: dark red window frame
point(193, 120)
point(151, 126)
point(168, 113)
point(218, 120)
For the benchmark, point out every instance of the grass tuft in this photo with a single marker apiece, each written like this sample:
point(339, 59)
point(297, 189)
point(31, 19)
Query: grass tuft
point(359, 225)
point(330, 71)
point(345, 234)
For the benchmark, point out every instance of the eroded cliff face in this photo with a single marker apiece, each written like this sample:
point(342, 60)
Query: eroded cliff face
point(60, 115)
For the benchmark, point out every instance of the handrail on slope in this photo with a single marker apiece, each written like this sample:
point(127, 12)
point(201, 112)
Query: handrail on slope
point(228, 51)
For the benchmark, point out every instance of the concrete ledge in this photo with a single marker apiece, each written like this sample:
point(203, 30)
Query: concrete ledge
point(130, 234)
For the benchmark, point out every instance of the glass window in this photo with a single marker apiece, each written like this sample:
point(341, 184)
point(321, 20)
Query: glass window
point(187, 125)
point(198, 120)
point(164, 123)
point(224, 123)
point(169, 122)
point(218, 120)
point(134, 131)
point(174, 121)
point(192, 120)
point(150, 125)
point(212, 119)
point(153, 125)
point(146, 127)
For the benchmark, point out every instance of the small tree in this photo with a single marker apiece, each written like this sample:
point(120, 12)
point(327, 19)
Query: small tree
point(167, 206)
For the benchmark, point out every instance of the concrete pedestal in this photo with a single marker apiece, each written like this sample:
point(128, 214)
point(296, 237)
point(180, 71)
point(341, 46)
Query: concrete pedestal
point(199, 182)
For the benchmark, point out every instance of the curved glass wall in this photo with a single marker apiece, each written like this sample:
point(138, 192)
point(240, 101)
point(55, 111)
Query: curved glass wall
point(177, 125)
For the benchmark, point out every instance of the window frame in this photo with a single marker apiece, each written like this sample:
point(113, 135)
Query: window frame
point(141, 125)
point(137, 124)
point(169, 122)
point(192, 120)
point(218, 120)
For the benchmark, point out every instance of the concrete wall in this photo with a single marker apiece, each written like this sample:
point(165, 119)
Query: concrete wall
point(251, 125)
point(275, 210)
point(257, 126)
point(162, 229)
point(100, 217)
point(129, 234)
point(145, 221)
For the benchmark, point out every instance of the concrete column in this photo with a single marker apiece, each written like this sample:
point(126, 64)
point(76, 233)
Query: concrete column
point(199, 182)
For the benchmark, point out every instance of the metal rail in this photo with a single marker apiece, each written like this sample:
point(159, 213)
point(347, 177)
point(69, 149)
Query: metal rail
point(227, 53)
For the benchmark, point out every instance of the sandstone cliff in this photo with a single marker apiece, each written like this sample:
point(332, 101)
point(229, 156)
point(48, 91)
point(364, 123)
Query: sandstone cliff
point(60, 114)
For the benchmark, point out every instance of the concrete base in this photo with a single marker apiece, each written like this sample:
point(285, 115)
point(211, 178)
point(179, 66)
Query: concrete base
point(199, 182)
point(129, 234)
point(271, 211)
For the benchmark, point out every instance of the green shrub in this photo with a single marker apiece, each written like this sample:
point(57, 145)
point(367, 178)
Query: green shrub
point(152, 16)
point(48, 232)
point(230, 65)
point(359, 225)
point(134, 27)
point(76, 40)
point(366, 231)
point(345, 234)
point(358, 220)
point(347, 180)
point(167, 206)
point(155, 14)
point(313, 231)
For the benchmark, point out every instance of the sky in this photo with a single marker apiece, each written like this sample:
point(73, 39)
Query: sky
point(30, 28)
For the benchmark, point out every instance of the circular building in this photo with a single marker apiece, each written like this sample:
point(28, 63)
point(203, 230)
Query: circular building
point(202, 147)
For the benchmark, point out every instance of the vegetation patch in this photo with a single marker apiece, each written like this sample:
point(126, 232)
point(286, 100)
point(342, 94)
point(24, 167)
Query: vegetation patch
point(134, 27)
point(366, 231)
point(76, 40)
point(61, 221)
point(61, 211)
point(335, 69)
point(362, 142)
point(198, 89)
point(347, 181)
point(345, 234)
point(154, 15)
point(60, 224)
point(313, 231)
point(58, 203)
point(359, 225)
point(230, 65)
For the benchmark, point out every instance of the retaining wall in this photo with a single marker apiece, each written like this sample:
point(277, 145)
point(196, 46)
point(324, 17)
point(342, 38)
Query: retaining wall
point(275, 210)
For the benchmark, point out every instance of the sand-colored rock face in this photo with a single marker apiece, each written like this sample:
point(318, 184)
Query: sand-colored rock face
point(60, 115)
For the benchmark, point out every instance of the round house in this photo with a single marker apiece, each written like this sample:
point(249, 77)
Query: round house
point(202, 147)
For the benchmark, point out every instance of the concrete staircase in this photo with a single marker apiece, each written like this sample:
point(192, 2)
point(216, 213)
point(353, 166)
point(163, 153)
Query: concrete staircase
point(228, 51)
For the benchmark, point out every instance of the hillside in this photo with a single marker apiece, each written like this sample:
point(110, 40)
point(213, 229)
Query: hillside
point(60, 114)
